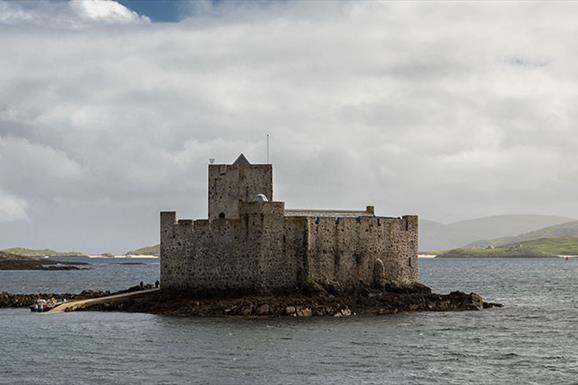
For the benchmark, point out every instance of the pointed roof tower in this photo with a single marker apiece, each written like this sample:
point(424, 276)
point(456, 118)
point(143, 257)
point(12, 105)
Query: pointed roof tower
point(240, 181)
point(241, 161)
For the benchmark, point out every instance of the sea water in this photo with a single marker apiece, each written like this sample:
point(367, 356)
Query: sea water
point(533, 339)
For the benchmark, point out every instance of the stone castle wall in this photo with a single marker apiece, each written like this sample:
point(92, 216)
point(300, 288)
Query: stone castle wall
point(257, 251)
point(258, 245)
point(265, 250)
point(346, 250)
point(200, 254)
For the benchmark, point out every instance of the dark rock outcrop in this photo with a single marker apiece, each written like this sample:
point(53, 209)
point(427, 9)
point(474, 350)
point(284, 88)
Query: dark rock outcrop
point(39, 264)
point(307, 304)
point(304, 305)
point(25, 300)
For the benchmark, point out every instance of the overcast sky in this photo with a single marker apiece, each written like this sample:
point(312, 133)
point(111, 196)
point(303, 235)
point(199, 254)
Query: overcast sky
point(447, 110)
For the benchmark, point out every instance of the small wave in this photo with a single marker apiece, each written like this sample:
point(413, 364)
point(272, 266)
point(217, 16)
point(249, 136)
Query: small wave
point(508, 355)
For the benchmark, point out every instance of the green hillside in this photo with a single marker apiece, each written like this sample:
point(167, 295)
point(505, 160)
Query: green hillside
point(568, 229)
point(544, 247)
point(149, 250)
point(440, 236)
point(23, 252)
point(8, 256)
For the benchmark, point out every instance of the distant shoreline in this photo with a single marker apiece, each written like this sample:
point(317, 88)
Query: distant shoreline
point(497, 257)
point(124, 256)
point(45, 263)
point(40, 264)
point(466, 256)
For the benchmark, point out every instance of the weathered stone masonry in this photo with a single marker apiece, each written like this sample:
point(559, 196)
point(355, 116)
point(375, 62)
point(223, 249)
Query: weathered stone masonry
point(251, 242)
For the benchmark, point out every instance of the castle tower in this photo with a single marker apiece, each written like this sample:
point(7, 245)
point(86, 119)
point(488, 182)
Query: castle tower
point(240, 181)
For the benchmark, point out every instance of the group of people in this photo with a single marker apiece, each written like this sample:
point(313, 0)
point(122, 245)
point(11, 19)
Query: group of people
point(142, 285)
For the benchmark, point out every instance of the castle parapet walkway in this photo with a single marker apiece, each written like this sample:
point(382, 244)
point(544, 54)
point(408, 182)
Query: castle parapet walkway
point(368, 212)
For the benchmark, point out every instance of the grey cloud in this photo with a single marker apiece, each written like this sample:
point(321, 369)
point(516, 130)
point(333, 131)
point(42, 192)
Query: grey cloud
point(414, 109)
point(12, 208)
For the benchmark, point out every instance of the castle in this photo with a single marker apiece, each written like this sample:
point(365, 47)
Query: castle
point(250, 242)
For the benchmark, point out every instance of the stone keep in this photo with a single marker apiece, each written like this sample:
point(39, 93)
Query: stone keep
point(250, 242)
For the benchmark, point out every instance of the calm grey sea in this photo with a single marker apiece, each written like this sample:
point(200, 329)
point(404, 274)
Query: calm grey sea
point(532, 340)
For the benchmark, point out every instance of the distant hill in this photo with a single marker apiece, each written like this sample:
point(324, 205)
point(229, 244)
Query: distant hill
point(544, 247)
point(4, 256)
point(439, 236)
point(568, 229)
point(23, 252)
point(149, 250)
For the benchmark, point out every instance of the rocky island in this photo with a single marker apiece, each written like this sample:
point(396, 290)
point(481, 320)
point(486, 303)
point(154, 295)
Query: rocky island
point(18, 262)
point(315, 302)
point(300, 305)
point(254, 257)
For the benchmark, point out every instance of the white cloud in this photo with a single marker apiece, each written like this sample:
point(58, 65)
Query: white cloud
point(105, 11)
point(448, 110)
point(67, 14)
